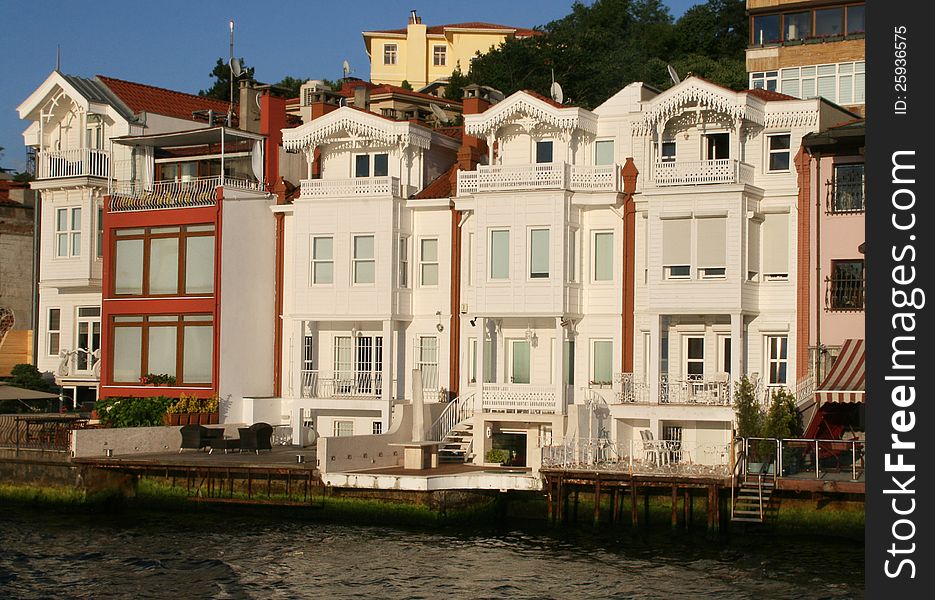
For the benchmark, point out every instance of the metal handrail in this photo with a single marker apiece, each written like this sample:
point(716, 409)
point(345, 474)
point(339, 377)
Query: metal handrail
point(457, 411)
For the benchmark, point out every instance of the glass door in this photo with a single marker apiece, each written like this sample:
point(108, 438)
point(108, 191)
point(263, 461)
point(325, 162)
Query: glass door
point(519, 349)
point(88, 338)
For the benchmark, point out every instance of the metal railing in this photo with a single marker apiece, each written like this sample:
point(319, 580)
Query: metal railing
point(628, 389)
point(80, 162)
point(845, 191)
point(838, 460)
point(39, 431)
point(458, 410)
point(701, 172)
point(663, 457)
point(694, 391)
point(540, 176)
point(845, 293)
point(349, 384)
point(353, 186)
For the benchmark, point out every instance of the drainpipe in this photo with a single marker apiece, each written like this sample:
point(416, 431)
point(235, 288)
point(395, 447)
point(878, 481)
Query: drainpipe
point(818, 286)
point(37, 207)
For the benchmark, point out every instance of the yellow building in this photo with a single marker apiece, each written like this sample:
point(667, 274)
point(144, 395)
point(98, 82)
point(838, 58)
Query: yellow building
point(421, 54)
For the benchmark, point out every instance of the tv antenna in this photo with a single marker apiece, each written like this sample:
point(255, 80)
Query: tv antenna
point(346, 67)
point(673, 75)
point(236, 70)
point(439, 113)
point(556, 90)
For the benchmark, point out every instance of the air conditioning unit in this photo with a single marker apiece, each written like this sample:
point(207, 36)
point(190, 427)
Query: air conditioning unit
point(464, 309)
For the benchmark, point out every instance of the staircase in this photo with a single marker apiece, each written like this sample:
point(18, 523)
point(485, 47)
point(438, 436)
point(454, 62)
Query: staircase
point(454, 430)
point(751, 500)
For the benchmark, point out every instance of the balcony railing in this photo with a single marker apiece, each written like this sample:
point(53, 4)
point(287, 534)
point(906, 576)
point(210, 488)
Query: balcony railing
point(844, 293)
point(342, 384)
point(694, 391)
point(702, 172)
point(519, 398)
point(200, 191)
point(355, 186)
point(82, 162)
point(543, 176)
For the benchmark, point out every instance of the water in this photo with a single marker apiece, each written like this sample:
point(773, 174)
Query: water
point(212, 554)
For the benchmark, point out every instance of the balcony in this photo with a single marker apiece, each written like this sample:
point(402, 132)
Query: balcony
point(702, 172)
point(198, 191)
point(845, 292)
point(352, 187)
point(83, 162)
point(519, 398)
point(343, 384)
point(544, 176)
point(627, 389)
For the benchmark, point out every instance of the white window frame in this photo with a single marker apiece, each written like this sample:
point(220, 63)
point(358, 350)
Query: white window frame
point(340, 428)
point(574, 270)
point(548, 259)
point(390, 54)
point(377, 428)
point(778, 360)
point(593, 359)
point(613, 261)
point(613, 147)
point(439, 59)
point(793, 80)
point(71, 234)
point(427, 366)
point(56, 332)
point(764, 78)
point(663, 157)
point(686, 360)
point(356, 261)
point(670, 274)
point(490, 275)
point(99, 230)
point(403, 273)
point(317, 261)
point(769, 151)
point(427, 263)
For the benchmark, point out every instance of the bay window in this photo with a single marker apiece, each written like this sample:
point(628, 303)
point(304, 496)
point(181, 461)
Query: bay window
point(164, 261)
point(364, 260)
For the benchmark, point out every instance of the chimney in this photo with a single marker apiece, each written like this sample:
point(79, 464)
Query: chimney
point(248, 108)
point(317, 100)
point(362, 97)
point(414, 19)
point(272, 120)
point(478, 98)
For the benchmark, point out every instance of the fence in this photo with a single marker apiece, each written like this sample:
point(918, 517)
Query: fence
point(840, 460)
point(662, 457)
point(38, 431)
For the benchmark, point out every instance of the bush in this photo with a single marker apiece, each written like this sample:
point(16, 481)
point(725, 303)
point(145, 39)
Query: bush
point(497, 456)
point(132, 412)
point(749, 414)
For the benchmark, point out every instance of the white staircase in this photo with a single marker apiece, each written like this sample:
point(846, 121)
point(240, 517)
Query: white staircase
point(454, 431)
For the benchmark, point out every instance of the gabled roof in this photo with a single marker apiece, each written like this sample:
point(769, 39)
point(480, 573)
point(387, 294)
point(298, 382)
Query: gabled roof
point(440, 186)
point(440, 29)
point(530, 104)
point(360, 123)
point(147, 98)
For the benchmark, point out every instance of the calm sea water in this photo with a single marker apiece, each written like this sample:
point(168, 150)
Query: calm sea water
point(216, 555)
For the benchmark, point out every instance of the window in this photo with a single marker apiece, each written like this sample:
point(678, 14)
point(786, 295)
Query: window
point(389, 54)
point(427, 361)
point(519, 361)
point(54, 331)
point(428, 261)
point(717, 145)
point(379, 163)
point(797, 26)
point(843, 83)
point(829, 22)
point(164, 261)
point(602, 359)
point(693, 347)
point(855, 19)
point(500, 254)
point(68, 232)
point(403, 262)
point(99, 243)
point(779, 153)
point(777, 351)
point(848, 188)
point(364, 266)
point(668, 151)
point(438, 55)
point(753, 249)
point(573, 255)
point(362, 165)
point(539, 254)
point(712, 242)
point(677, 248)
point(377, 427)
point(603, 256)
point(776, 247)
point(765, 30)
point(568, 362)
point(322, 260)
point(182, 346)
point(544, 151)
point(845, 287)
point(768, 80)
point(604, 152)
point(89, 337)
point(472, 360)
point(343, 428)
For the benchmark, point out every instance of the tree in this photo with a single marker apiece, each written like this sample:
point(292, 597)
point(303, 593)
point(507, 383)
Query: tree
point(747, 409)
point(28, 377)
point(454, 89)
point(406, 85)
point(220, 90)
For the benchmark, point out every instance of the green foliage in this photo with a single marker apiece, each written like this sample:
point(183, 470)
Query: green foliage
point(131, 411)
point(293, 84)
point(456, 82)
point(782, 419)
point(193, 404)
point(157, 379)
point(598, 49)
point(497, 456)
point(28, 377)
point(747, 409)
point(406, 85)
point(220, 89)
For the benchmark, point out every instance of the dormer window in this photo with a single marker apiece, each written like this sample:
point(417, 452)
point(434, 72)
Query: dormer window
point(544, 151)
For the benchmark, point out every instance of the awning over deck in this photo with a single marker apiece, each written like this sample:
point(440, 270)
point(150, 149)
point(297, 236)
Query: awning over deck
point(844, 383)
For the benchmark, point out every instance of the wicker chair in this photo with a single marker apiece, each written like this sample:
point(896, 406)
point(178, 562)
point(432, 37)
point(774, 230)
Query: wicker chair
point(198, 437)
point(256, 437)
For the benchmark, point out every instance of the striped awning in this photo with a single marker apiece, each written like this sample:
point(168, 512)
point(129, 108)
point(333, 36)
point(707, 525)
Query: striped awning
point(845, 381)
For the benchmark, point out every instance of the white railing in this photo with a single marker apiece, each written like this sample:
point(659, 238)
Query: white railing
point(348, 384)
point(518, 397)
point(629, 389)
point(805, 390)
point(540, 176)
point(694, 391)
point(457, 411)
point(661, 457)
point(82, 162)
point(355, 186)
point(200, 191)
point(700, 172)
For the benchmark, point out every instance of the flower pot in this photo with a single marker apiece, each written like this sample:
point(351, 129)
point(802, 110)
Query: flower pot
point(203, 418)
point(173, 418)
point(214, 418)
point(183, 419)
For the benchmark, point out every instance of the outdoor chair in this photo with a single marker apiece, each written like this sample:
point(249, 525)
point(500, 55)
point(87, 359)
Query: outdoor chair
point(654, 450)
point(256, 437)
point(198, 437)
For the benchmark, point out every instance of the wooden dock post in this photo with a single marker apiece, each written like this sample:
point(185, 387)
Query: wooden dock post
point(597, 501)
point(686, 508)
point(675, 507)
point(549, 510)
point(646, 506)
point(576, 504)
point(634, 514)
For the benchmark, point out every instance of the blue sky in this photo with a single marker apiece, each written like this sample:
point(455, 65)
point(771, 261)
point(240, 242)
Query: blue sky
point(175, 44)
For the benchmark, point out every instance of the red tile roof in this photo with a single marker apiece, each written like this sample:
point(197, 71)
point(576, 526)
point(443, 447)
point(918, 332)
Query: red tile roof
point(347, 90)
point(452, 132)
point(546, 99)
point(769, 95)
point(440, 29)
point(440, 186)
point(146, 98)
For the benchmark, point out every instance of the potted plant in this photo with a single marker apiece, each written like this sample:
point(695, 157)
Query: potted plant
point(158, 379)
point(497, 456)
point(173, 415)
point(213, 408)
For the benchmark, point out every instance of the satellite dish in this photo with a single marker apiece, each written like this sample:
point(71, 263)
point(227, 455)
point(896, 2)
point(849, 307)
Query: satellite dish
point(556, 91)
point(673, 75)
point(236, 67)
point(439, 113)
point(347, 68)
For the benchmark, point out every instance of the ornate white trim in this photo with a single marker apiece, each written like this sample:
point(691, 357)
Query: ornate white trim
point(357, 123)
point(792, 118)
point(521, 105)
point(672, 102)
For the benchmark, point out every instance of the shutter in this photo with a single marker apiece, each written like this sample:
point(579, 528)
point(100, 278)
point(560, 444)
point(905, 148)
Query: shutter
point(776, 244)
point(712, 242)
point(753, 247)
point(676, 242)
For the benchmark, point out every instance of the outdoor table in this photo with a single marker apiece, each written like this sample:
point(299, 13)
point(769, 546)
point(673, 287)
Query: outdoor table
point(224, 444)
